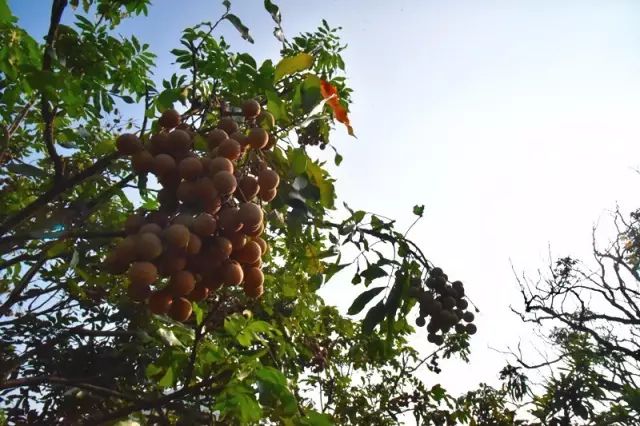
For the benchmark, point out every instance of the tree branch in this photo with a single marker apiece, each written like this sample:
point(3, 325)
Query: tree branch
point(24, 282)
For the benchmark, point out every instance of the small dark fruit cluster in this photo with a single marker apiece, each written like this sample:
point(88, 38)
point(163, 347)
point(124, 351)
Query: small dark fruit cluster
point(443, 305)
point(207, 232)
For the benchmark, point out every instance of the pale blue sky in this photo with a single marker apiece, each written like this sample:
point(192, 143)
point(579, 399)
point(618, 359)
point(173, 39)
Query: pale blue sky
point(515, 122)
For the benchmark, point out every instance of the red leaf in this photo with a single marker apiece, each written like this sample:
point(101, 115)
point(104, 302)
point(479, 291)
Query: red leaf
point(330, 94)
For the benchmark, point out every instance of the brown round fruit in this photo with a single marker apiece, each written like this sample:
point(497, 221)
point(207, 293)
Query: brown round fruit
point(167, 199)
point(224, 182)
point(187, 192)
point(114, 265)
point(249, 254)
point(230, 149)
point(177, 235)
point(143, 273)
point(228, 124)
point(250, 214)
point(151, 228)
point(199, 293)
point(133, 223)
point(128, 144)
point(180, 309)
point(163, 164)
point(240, 137)
point(179, 142)
point(247, 188)
point(170, 180)
point(215, 137)
point(238, 240)
point(125, 251)
point(159, 143)
point(185, 219)
point(169, 119)
point(205, 190)
point(204, 225)
point(181, 283)
point(212, 205)
point(142, 162)
point(212, 281)
point(148, 246)
point(264, 247)
point(272, 142)
point(251, 108)
point(195, 244)
point(268, 179)
point(220, 249)
point(267, 195)
point(219, 164)
point(253, 277)
point(254, 292)
point(232, 273)
point(169, 263)
point(190, 168)
point(158, 218)
point(229, 220)
point(254, 232)
point(160, 302)
point(258, 138)
point(138, 292)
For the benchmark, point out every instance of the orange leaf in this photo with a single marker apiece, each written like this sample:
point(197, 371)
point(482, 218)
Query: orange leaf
point(330, 94)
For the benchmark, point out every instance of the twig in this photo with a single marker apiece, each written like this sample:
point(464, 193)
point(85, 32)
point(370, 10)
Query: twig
point(24, 282)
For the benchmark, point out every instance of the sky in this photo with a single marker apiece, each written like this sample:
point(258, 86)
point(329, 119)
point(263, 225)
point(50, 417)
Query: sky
point(514, 122)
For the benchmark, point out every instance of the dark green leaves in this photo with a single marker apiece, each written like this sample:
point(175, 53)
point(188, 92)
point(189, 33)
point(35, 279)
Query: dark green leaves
point(26, 170)
point(5, 12)
point(273, 10)
point(373, 272)
point(373, 317)
point(361, 301)
point(418, 209)
point(242, 29)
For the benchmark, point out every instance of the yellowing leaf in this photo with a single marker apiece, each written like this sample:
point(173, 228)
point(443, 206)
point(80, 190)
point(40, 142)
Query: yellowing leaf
point(292, 64)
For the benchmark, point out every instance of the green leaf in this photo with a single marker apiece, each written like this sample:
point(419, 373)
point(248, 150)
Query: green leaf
point(361, 301)
point(168, 379)
point(357, 216)
point(57, 248)
point(373, 317)
point(5, 12)
point(418, 210)
point(226, 4)
point(127, 99)
point(292, 64)
point(242, 29)
point(198, 312)
point(373, 272)
point(298, 160)
point(276, 107)
point(273, 10)
point(168, 337)
point(318, 419)
point(338, 159)
point(26, 170)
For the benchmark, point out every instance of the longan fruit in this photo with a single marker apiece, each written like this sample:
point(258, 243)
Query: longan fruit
point(169, 119)
point(240, 137)
point(170, 180)
point(158, 218)
point(471, 328)
point(250, 253)
point(177, 235)
point(180, 309)
point(167, 199)
point(225, 182)
point(253, 277)
point(254, 232)
point(169, 263)
point(185, 219)
point(128, 144)
point(256, 264)
point(264, 247)
point(238, 240)
point(159, 143)
point(468, 316)
point(267, 195)
point(115, 265)
point(460, 328)
point(204, 225)
point(148, 246)
point(232, 273)
point(219, 164)
point(212, 281)
point(151, 228)
point(212, 205)
point(206, 165)
point(229, 219)
point(163, 164)
point(181, 283)
point(268, 179)
point(216, 136)
point(253, 292)
point(258, 138)
point(251, 108)
point(138, 292)
point(272, 142)
point(420, 321)
point(462, 304)
point(160, 302)
point(205, 189)
point(199, 293)
point(179, 141)
point(230, 149)
point(133, 223)
point(190, 168)
point(143, 273)
point(448, 302)
point(250, 214)
point(220, 248)
point(228, 124)
point(186, 192)
point(195, 244)
point(247, 188)
point(142, 162)
point(125, 251)
point(266, 120)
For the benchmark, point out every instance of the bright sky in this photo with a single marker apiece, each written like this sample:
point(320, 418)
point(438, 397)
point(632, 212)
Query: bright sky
point(516, 123)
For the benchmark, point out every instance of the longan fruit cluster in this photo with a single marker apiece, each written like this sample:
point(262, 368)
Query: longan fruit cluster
point(444, 304)
point(207, 231)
